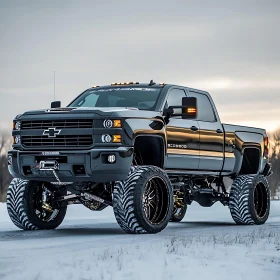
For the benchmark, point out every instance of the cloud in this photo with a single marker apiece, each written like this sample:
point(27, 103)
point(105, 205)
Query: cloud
point(230, 49)
point(222, 83)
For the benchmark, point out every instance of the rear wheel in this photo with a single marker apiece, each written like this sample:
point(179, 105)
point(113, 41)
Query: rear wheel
point(28, 206)
point(249, 200)
point(143, 203)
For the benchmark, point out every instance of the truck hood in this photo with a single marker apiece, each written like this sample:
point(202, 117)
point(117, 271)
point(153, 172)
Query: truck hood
point(97, 112)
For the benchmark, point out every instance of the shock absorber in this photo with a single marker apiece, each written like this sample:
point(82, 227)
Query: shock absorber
point(47, 207)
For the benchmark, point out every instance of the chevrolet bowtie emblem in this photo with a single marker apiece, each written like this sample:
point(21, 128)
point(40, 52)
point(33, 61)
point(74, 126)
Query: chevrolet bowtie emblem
point(51, 132)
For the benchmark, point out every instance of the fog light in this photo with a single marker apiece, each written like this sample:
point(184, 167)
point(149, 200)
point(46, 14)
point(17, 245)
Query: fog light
point(106, 138)
point(10, 160)
point(17, 139)
point(111, 158)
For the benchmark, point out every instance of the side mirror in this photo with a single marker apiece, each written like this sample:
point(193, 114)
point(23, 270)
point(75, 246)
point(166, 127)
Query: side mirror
point(189, 108)
point(168, 111)
point(56, 104)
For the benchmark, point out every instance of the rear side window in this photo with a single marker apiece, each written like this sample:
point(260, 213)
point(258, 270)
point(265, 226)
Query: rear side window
point(205, 110)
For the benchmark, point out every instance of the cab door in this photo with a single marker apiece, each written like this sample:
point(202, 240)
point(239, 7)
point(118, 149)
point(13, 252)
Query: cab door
point(182, 136)
point(211, 147)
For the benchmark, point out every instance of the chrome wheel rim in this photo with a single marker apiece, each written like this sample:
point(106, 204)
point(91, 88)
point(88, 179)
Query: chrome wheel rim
point(42, 214)
point(155, 200)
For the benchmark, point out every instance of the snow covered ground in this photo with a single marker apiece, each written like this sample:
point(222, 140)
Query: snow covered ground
point(90, 245)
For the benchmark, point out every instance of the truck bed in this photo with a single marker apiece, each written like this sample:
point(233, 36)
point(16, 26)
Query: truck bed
point(236, 128)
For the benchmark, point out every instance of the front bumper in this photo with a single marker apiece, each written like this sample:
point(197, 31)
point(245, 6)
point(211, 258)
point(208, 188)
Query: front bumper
point(86, 165)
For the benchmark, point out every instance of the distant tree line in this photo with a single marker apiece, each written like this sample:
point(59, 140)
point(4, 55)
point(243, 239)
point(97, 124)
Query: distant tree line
point(274, 158)
point(274, 179)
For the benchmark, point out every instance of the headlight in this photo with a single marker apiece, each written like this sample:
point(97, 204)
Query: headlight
point(106, 138)
point(112, 123)
point(10, 160)
point(16, 139)
point(17, 125)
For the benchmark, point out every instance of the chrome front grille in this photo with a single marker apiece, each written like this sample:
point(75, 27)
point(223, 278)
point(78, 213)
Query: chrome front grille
point(59, 141)
point(45, 124)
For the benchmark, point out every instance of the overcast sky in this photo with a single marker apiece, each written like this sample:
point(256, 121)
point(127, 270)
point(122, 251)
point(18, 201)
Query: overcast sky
point(229, 48)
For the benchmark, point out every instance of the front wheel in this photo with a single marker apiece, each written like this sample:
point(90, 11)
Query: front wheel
point(249, 200)
point(26, 207)
point(143, 203)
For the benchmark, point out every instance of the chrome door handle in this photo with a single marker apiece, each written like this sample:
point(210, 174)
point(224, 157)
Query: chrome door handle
point(194, 128)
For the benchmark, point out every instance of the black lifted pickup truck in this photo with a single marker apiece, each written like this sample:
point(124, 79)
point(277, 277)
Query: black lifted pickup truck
point(147, 150)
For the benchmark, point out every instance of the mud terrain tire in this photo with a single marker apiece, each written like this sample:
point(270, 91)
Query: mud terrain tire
point(143, 203)
point(21, 209)
point(249, 200)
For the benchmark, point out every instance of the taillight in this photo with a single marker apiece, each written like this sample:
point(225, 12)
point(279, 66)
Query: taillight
point(266, 146)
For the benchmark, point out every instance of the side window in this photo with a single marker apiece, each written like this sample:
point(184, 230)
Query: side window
point(204, 109)
point(175, 99)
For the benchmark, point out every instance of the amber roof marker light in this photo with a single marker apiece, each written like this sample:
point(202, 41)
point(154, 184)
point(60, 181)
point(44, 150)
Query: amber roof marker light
point(151, 83)
point(125, 83)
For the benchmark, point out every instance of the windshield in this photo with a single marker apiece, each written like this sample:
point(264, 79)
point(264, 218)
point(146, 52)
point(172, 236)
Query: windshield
point(143, 98)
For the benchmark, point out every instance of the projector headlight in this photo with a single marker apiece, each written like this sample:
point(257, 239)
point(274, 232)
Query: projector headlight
point(112, 123)
point(17, 125)
point(108, 123)
point(106, 138)
point(16, 139)
point(10, 160)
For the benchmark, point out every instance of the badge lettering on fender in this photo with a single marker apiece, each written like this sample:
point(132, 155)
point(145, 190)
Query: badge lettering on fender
point(177, 146)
